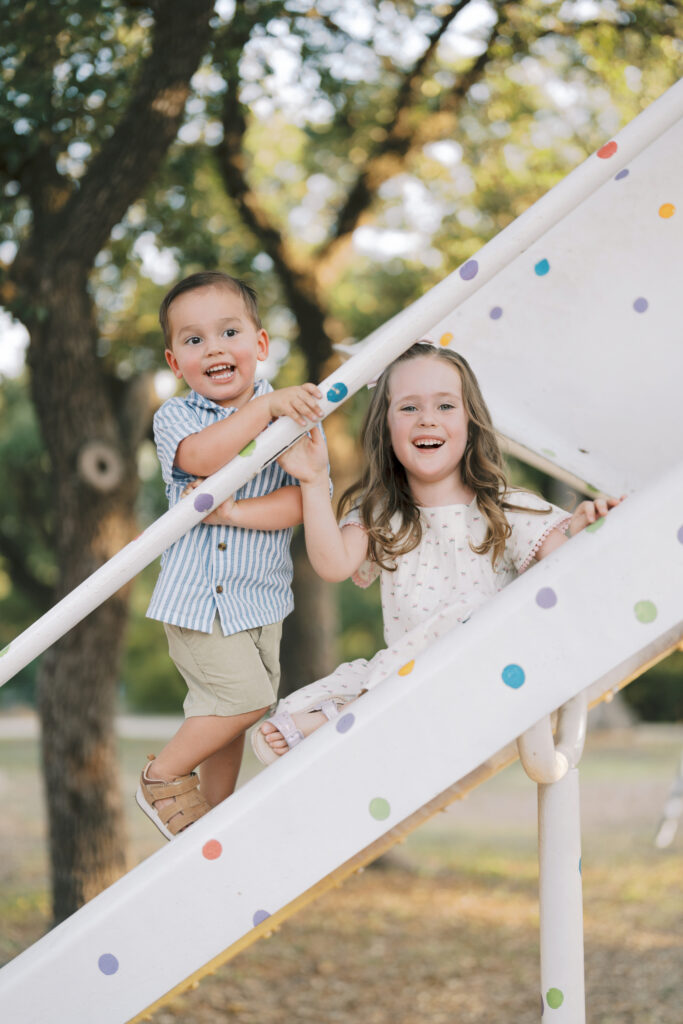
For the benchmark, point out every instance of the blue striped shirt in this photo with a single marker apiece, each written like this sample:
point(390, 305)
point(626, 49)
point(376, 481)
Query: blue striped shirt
point(253, 567)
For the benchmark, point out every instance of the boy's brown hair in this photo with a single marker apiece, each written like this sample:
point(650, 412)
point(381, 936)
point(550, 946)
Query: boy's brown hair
point(209, 279)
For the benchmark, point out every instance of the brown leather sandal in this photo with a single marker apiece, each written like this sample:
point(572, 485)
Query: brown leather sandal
point(187, 807)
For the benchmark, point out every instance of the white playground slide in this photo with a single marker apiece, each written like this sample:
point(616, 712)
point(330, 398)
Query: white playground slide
point(570, 319)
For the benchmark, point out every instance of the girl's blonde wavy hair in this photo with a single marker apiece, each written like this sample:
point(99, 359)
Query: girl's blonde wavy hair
point(382, 490)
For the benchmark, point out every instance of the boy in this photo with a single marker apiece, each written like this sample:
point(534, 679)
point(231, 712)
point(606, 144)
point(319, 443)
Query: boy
point(224, 586)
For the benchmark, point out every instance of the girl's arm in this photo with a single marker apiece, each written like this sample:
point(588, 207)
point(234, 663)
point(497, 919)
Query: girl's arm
point(334, 553)
point(584, 514)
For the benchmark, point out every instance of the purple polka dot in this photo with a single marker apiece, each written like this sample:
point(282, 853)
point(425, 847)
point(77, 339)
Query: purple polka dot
point(345, 722)
point(546, 598)
point(496, 313)
point(680, 534)
point(640, 305)
point(621, 174)
point(203, 502)
point(469, 270)
point(108, 963)
point(260, 916)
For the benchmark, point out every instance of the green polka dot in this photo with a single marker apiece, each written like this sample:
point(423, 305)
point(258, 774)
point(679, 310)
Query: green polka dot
point(549, 452)
point(645, 611)
point(379, 808)
point(554, 998)
point(248, 449)
point(591, 489)
point(596, 525)
point(5, 650)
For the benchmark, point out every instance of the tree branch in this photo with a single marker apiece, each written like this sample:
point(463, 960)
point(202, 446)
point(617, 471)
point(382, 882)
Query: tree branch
point(123, 166)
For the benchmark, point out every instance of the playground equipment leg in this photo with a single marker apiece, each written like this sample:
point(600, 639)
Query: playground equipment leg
point(553, 765)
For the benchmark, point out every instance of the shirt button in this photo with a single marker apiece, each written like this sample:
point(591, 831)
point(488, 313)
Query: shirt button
point(222, 546)
point(219, 589)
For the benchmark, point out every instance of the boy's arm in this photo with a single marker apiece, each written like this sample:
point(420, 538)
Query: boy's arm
point(335, 553)
point(207, 451)
point(275, 511)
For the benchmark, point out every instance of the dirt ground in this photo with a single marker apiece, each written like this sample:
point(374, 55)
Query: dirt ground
point(445, 928)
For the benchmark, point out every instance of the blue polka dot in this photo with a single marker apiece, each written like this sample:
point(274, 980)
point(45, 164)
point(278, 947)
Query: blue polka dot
point(345, 722)
point(337, 392)
point(469, 270)
point(640, 305)
point(496, 313)
point(542, 268)
point(513, 676)
point(621, 174)
point(203, 502)
point(108, 963)
point(260, 916)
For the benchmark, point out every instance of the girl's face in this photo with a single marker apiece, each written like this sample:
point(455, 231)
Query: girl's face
point(428, 425)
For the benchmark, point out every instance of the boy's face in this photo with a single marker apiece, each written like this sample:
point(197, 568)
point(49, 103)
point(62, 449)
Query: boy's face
point(215, 345)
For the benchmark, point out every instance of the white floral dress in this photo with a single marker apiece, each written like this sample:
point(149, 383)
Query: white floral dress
point(437, 585)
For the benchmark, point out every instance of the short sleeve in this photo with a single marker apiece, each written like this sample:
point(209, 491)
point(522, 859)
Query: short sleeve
point(530, 528)
point(368, 571)
point(173, 422)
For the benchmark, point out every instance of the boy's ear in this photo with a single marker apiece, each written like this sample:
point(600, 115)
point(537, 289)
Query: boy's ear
point(262, 345)
point(173, 363)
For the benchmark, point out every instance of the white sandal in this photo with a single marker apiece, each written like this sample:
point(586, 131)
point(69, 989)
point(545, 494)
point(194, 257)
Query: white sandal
point(285, 724)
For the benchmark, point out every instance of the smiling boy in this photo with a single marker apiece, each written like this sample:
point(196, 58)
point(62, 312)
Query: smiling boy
point(225, 586)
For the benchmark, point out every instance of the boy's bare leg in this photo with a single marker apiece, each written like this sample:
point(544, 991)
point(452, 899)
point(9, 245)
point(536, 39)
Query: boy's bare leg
point(218, 773)
point(198, 739)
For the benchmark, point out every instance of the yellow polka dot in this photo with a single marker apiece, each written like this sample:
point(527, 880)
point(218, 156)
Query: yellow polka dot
point(406, 669)
point(667, 210)
point(445, 339)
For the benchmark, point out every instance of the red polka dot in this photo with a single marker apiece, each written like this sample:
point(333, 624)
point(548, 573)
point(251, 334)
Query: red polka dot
point(212, 850)
point(608, 150)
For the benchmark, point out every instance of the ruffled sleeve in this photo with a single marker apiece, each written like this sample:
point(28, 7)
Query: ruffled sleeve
point(368, 571)
point(530, 529)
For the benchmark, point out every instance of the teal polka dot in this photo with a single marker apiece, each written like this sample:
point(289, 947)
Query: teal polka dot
point(337, 392)
point(379, 808)
point(513, 676)
point(554, 998)
point(646, 611)
point(542, 268)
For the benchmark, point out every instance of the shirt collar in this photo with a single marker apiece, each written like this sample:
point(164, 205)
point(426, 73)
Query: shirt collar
point(261, 387)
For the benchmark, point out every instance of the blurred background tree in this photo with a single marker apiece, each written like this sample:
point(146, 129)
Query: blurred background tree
point(342, 157)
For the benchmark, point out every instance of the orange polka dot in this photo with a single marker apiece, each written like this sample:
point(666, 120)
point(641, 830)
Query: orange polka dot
point(445, 339)
point(212, 850)
point(608, 150)
point(667, 210)
point(406, 669)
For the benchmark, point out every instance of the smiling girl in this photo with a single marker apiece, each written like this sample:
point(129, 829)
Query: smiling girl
point(432, 516)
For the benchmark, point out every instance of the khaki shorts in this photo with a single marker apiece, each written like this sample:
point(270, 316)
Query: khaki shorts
point(227, 675)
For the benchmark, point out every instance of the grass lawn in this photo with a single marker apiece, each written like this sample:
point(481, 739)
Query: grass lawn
point(445, 928)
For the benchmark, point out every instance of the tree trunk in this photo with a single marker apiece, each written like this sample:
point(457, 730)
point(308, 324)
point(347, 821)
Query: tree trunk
point(95, 482)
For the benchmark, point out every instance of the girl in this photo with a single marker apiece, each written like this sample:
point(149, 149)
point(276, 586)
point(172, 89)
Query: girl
point(432, 516)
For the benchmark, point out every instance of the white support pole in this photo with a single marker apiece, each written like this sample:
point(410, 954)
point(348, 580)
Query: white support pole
point(554, 767)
